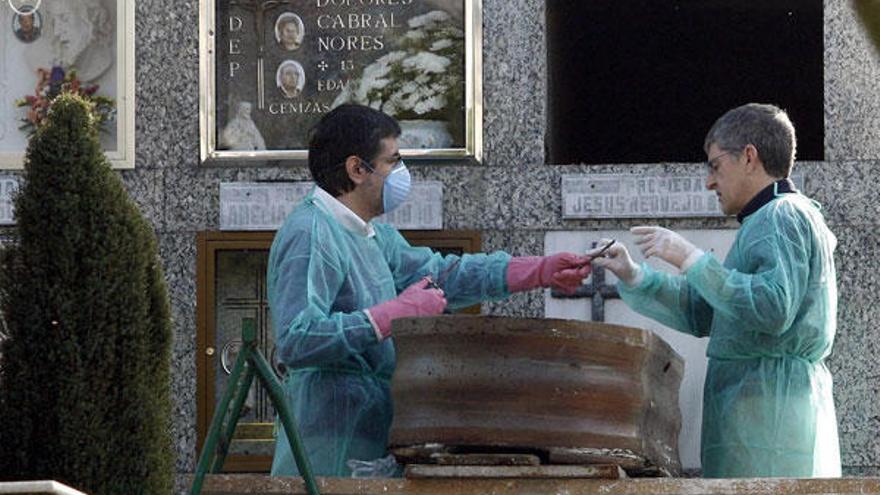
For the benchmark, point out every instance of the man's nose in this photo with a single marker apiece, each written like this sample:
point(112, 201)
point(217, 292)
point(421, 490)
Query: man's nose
point(710, 182)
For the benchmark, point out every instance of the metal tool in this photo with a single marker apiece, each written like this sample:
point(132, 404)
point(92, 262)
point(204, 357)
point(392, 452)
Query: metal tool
point(602, 251)
point(441, 278)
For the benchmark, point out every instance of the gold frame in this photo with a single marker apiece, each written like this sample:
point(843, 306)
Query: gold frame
point(208, 244)
point(473, 149)
point(123, 156)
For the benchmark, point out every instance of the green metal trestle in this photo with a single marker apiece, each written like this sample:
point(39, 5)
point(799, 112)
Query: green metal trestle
point(249, 363)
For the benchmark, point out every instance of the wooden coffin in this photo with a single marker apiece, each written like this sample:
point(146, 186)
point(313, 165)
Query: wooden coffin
point(558, 388)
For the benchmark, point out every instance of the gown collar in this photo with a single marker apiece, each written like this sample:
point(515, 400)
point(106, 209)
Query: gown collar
point(782, 186)
point(343, 214)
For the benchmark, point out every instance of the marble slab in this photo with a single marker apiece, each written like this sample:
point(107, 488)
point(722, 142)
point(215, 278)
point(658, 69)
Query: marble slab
point(264, 206)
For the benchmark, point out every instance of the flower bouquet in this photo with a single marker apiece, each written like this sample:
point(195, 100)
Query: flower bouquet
point(52, 83)
point(422, 80)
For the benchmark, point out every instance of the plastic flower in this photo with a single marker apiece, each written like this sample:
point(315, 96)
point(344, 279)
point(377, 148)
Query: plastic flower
point(423, 79)
point(53, 82)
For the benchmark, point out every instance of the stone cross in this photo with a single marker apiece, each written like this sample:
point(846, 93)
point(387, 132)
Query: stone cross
point(597, 290)
point(256, 307)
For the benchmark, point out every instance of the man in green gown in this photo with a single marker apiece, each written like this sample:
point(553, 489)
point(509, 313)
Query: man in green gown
point(770, 310)
point(337, 280)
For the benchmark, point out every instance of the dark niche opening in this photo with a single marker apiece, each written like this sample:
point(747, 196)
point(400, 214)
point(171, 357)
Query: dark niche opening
point(641, 81)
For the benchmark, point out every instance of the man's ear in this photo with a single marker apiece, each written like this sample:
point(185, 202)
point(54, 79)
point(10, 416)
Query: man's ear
point(357, 172)
point(753, 160)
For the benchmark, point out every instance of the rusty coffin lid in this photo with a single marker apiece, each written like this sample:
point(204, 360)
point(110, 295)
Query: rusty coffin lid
point(540, 385)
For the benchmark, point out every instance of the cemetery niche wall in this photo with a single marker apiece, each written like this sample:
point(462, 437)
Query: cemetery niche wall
point(83, 46)
point(270, 69)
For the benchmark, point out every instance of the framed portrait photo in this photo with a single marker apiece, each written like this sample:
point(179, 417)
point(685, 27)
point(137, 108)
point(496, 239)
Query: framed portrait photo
point(51, 46)
point(270, 69)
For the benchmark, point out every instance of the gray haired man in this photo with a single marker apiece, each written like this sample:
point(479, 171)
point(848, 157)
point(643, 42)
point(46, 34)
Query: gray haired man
point(770, 310)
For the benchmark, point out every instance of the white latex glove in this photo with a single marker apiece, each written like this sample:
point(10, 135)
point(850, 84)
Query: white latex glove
point(666, 245)
point(617, 259)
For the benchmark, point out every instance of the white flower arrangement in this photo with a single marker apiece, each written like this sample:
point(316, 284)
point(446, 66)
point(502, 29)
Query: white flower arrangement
point(423, 79)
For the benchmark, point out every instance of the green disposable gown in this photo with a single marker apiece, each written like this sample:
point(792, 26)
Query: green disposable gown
point(770, 312)
point(321, 277)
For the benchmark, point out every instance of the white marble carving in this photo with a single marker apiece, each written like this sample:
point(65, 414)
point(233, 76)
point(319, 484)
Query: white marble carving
point(241, 132)
point(9, 185)
point(421, 134)
point(78, 34)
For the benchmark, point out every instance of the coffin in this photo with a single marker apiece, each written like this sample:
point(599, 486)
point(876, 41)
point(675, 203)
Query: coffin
point(566, 390)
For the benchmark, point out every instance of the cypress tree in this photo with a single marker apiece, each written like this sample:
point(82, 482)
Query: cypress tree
point(85, 377)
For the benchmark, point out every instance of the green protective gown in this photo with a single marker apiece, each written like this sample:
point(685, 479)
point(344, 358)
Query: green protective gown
point(770, 312)
point(321, 277)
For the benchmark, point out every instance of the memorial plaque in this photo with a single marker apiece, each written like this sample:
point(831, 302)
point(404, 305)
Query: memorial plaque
point(640, 196)
point(258, 206)
point(83, 46)
point(264, 206)
point(8, 188)
point(272, 68)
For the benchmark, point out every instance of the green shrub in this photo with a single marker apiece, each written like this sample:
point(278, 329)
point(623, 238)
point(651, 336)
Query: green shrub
point(85, 378)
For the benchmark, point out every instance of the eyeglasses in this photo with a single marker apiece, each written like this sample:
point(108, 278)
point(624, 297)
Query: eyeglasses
point(397, 164)
point(712, 166)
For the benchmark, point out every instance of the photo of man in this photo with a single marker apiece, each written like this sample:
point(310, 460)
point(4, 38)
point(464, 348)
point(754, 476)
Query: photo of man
point(27, 26)
point(290, 78)
point(289, 31)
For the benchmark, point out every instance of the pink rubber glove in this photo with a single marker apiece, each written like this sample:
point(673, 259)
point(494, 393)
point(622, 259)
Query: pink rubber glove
point(564, 272)
point(416, 300)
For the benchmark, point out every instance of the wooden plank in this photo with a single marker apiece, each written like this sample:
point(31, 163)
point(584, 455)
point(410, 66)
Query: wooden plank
point(419, 454)
point(606, 471)
point(444, 459)
point(624, 458)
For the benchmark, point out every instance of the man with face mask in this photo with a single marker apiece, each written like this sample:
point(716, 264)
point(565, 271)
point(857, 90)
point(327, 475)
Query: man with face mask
point(337, 280)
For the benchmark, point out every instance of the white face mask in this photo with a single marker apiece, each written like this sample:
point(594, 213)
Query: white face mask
point(396, 186)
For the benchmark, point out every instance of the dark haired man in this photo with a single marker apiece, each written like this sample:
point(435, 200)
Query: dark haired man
point(770, 310)
point(337, 280)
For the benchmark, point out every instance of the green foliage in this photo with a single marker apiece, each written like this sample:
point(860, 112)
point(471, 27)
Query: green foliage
point(85, 382)
point(52, 83)
point(869, 11)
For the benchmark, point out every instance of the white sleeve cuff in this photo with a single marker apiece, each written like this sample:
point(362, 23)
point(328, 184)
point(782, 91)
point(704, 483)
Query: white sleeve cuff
point(375, 326)
point(695, 255)
point(637, 280)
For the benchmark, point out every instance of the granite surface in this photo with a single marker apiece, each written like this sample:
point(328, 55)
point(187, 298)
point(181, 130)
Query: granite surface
point(513, 198)
point(178, 251)
point(852, 102)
